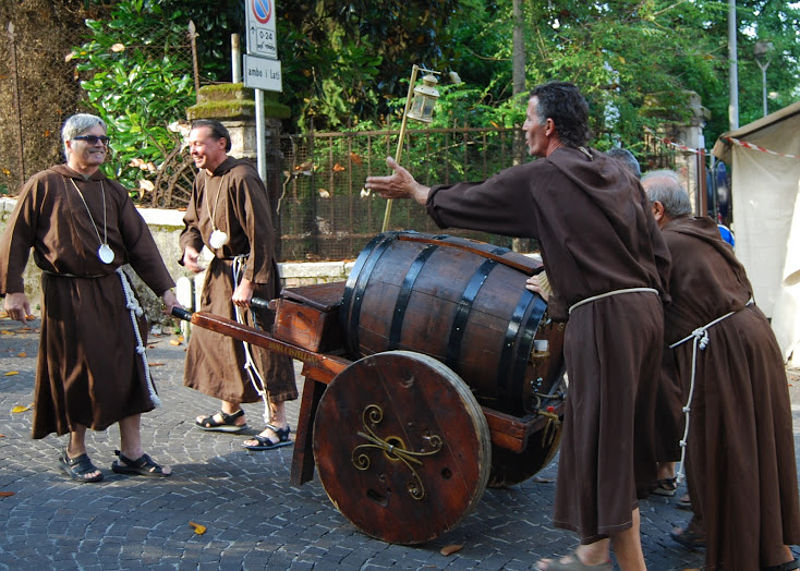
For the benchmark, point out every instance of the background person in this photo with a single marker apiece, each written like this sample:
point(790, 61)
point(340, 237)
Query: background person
point(658, 411)
point(597, 238)
point(230, 213)
point(91, 370)
point(741, 464)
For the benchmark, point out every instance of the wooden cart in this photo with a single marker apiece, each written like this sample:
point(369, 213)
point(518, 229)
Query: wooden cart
point(404, 447)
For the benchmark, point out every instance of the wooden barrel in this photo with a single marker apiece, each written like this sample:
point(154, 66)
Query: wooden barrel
point(462, 302)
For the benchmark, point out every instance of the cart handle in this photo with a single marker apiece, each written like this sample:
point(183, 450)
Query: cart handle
point(186, 315)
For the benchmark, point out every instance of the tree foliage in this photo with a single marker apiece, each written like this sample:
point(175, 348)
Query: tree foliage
point(347, 64)
point(138, 83)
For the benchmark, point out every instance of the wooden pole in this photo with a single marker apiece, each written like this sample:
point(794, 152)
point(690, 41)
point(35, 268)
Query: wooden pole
point(20, 144)
point(398, 152)
point(195, 67)
point(230, 328)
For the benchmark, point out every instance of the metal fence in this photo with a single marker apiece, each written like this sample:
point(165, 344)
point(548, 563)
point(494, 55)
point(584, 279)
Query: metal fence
point(325, 211)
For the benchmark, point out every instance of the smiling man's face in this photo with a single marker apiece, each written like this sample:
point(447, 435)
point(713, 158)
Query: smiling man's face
point(86, 157)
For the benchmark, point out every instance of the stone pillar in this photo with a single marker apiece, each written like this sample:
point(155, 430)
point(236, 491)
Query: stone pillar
point(686, 131)
point(233, 104)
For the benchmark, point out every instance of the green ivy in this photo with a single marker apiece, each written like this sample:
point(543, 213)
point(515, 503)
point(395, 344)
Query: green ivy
point(139, 80)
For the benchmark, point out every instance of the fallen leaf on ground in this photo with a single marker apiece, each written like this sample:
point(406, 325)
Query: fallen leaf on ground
point(6, 332)
point(20, 408)
point(198, 529)
point(22, 354)
point(11, 373)
point(175, 342)
point(450, 549)
point(6, 494)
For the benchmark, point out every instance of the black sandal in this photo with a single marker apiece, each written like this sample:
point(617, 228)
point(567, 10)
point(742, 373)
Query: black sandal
point(689, 538)
point(228, 423)
point(666, 487)
point(266, 443)
point(144, 466)
point(685, 503)
point(77, 468)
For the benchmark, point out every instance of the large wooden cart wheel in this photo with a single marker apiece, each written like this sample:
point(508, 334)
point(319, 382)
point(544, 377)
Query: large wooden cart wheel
point(401, 446)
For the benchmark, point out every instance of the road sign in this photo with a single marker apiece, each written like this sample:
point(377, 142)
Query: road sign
point(262, 73)
point(262, 40)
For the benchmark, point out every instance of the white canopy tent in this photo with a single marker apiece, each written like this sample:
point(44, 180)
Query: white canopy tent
point(764, 157)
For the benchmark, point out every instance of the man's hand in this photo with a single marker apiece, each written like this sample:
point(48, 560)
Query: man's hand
point(243, 293)
point(400, 184)
point(539, 285)
point(170, 301)
point(191, 260)
point(17, 306)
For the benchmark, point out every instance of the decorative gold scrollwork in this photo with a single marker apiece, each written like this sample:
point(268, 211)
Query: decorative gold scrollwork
point(393, 447)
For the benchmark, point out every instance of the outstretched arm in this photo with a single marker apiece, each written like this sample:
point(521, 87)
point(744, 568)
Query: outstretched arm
point(399, 184)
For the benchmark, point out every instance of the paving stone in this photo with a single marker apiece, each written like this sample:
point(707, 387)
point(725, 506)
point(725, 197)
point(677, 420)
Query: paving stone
point(254, 518)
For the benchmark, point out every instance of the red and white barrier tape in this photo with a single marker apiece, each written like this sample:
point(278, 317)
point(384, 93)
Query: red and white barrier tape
point(757, 148)
point(678, 146)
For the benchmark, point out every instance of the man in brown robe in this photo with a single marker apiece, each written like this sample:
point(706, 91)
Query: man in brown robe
point(230, 213)
point(91, 370)
point(597, 238)
point(741, 464)
point(658, 419)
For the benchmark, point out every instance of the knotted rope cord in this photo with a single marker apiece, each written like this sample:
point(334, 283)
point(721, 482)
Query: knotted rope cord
point(237, 268)
point(700, 339)
point(135, 310)
point(609, 294)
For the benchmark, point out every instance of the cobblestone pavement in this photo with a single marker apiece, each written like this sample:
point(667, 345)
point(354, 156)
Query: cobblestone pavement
point(254, 518)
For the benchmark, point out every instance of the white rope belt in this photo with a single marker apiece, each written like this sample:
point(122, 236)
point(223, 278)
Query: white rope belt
point(135, 310)
point(699, 339)
point(238, 267)
point(609, 294)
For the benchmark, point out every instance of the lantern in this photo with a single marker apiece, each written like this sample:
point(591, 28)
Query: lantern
point(425, 97)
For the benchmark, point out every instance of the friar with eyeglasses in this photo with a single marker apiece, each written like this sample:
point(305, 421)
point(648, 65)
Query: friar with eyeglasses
point(92, 366)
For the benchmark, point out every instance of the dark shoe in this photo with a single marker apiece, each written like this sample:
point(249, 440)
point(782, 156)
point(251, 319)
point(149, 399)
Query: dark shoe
point(266, 443)
point(144, 466)
point(788, 566)
point(666, 487)
point(78, 468)
point(691, 540)
point(228, 423)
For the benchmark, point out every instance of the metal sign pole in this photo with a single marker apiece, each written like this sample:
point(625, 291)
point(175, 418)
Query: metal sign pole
point(261, 153)
point(262, 67)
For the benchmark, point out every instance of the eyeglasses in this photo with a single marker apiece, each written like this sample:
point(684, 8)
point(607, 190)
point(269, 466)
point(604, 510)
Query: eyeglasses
point(92, 139)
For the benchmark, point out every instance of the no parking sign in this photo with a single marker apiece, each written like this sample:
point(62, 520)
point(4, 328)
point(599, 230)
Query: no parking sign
point(262, 39)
